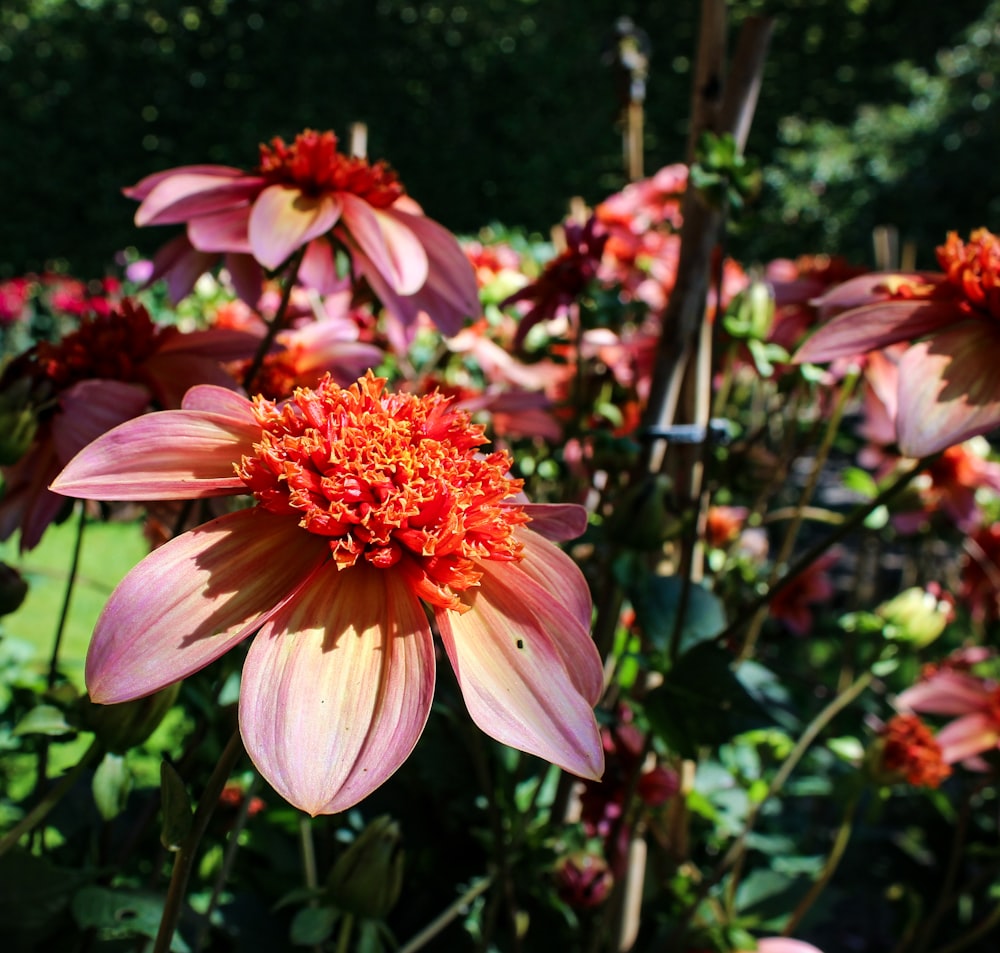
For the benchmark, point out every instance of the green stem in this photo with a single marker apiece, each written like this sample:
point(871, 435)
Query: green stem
point(454, 910)
point(58, 791)
point(346, 929)
point(74, 568)
point(185, 857)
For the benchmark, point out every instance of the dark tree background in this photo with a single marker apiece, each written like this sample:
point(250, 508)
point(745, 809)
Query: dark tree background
point(491, 110)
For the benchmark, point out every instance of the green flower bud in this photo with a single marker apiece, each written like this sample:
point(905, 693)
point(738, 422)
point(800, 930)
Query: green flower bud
point(127, 724)
point(916, 616)
point(367, 878)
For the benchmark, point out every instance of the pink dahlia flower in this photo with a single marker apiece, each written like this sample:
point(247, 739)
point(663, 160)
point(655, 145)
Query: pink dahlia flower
point(310, 196)
point(372, 511)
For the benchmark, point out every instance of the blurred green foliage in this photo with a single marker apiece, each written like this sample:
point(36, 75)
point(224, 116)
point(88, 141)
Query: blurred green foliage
point(491, 110)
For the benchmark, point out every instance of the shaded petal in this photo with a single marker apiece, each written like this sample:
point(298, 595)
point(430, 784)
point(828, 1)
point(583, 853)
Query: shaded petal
point(180, 265)
point(527, 669)
point(168, 455)
point(194, 598)
point(876, 326)
point(558, 522)
point(91, 408)
point(319, 269)
point(337, 688)
point(967, 736)
point(388, 242)
point(949, 388)
point(247, 277)
point(875, 286)
point(223, 231)
point(284, 219)
point(947, 693)
point(185, 195)
point(26, 502)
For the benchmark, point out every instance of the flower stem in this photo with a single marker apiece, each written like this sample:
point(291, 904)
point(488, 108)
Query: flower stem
point(436, 925)
point(184, 859)
point(59, 790)
point(74, 568)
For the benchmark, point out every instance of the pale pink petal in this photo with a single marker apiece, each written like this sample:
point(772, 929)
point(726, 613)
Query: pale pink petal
point(194, 598)
point(185, 195)
point(559, 522)
point(875, 326)
point(947, 693)
point(180, 265)
point(784, 944)
point(337, 688)
point(386, 239)
point(949, 388)
point(284, 219)
point(222, 231)
point(219, 400)
point(168, 455)
point(552, 569)
point(319, 269)
point(144, 186)
point(91, 408)
point(968, 736)
point(528, 670)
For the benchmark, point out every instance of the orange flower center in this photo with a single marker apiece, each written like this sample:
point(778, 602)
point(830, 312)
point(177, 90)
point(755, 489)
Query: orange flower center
point(313, 164)
point(974, 267)
point(395, 479)
point(912, 751)
point(110, 347)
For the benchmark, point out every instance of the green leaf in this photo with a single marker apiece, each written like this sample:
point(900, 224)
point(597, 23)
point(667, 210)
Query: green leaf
point(34, 893)
point(312, 925)
point(861, 482)
point(111, 786)
point(176, 807)
point(656, 601)
point(44, 720)
point(120, 914)
point(702, 702)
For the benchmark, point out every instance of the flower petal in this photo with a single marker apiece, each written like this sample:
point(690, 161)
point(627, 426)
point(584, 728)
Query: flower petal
point(949, 388)
point(389, 243)
point(168, 455)
point(968, 736)
point(219, 400)
point(284, 219)
point(185, 195)
point(528, 671)
point(559, 522)
point(556, 572)
point(947, 693)
point(337, 688)
point(875, 326)
point(220, 232)
point(144, 186)
point(93, 407)
point(180, 264)
point(194, 598)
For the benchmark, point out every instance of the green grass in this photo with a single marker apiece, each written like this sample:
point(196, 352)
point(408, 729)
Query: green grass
point(109, 551)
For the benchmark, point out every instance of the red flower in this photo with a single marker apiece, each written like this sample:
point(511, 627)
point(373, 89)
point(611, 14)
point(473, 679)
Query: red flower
point(910, 751)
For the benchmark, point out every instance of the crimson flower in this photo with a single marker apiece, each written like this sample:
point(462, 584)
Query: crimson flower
point(949, 389)
point(372, 512)
point(307, 195)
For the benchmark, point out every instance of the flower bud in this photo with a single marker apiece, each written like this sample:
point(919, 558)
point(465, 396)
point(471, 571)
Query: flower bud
point(13, 589)
point(367, 878)
point(126, 724)
point(583, 880)
point(916, 616)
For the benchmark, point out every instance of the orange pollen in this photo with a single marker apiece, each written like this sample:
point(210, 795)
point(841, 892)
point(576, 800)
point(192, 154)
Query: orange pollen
point(911, 750)
point(974, 268)
point(313, 164)
point(109, 346)
point(395, 479)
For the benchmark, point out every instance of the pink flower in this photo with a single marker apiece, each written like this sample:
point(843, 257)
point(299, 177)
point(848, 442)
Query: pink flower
point(309, 196)
point(793, 604)
point(108, 370)
point(975, 701)
point(948, 386)
point(783, 944)
point(372, 510)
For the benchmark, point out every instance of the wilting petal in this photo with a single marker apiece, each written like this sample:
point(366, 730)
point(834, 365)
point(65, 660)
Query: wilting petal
point(947, 693)
point(91, 408)
point(168, 455)
point(284, 219)
point(337, 688)
point(949, 388)
point(875, 326)
point(967, 736)
point(221, 232)
point(554, 571)
point(388, 243)
point(528, 670)
point(185, 195)
point(26, 502)
point(194, 598)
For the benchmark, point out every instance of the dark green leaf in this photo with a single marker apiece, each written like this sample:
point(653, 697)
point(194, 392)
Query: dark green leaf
point(312, 925)
point(119, 914)
point(176, 807)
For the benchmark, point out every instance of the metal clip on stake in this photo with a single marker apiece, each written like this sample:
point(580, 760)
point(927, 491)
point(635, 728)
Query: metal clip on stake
point(718, 432)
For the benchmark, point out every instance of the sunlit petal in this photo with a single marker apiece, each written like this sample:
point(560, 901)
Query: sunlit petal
point(967, 736)
point(182, 195)
point(337, 688)
point(194, 598)
point(283, 219)
point(388, 243)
